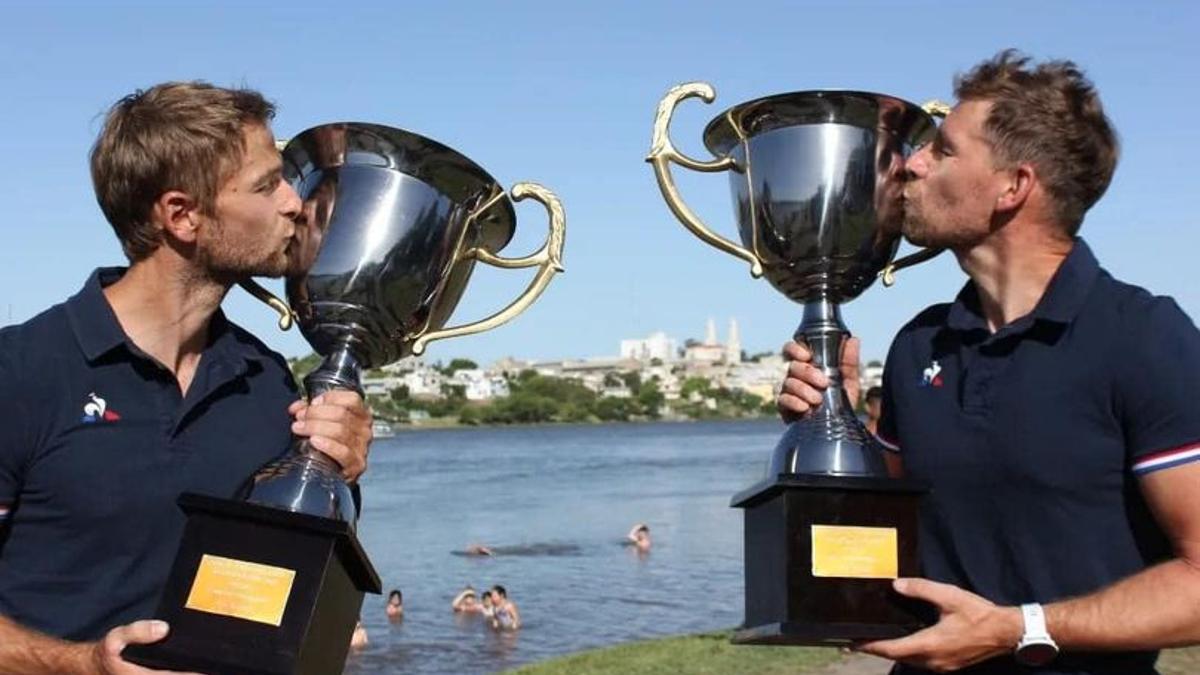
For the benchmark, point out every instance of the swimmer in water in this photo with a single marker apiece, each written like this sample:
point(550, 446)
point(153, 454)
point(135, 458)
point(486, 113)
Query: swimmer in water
point(506, 616)
point(395, 605)
point(466, 602)
point(639, 537)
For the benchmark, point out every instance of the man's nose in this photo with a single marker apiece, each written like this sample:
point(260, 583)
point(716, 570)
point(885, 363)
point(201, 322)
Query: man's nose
point(291, 200)
point(917, 163)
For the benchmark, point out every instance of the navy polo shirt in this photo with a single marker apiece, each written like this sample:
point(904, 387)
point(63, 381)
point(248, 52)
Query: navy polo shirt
point(1032, 439)
point(97, 443)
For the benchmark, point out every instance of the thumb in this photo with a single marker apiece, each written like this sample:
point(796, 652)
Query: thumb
point(933, 592)
point(139, 632)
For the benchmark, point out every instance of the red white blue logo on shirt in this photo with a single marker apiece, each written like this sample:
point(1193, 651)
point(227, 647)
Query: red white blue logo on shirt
point(932, 376)
point(97, 410)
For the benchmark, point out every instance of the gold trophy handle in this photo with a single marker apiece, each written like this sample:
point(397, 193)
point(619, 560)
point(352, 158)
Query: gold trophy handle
point(935, 108)
point(663, 152)
point(285, 313)
point(548, 258)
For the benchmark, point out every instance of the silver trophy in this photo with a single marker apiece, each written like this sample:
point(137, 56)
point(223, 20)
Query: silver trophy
point(392, 226)
point(817, 180)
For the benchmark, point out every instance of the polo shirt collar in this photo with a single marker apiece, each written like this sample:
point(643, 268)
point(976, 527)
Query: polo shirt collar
point(92, 318)
point(98, 331)
point(1064, 296)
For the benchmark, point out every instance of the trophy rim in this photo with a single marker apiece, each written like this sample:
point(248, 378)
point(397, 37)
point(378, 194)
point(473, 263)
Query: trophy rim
point(794, 108)
point(423, 158)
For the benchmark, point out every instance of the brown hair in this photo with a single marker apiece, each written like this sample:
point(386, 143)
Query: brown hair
point(173, 136)
point(1051, 117)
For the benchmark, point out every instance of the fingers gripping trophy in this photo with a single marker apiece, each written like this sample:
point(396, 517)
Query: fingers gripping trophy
point(817, 181)
point(391, 228)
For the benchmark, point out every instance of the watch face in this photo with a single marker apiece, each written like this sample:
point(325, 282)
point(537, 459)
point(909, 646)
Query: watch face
point(1036, 653)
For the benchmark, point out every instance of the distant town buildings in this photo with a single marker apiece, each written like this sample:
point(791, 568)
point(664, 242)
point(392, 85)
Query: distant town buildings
point(656, 358)
point(479, 384)
point(712, 351)
point(656, 347)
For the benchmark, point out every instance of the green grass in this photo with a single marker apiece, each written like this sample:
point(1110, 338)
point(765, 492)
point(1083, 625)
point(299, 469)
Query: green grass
point(712, 654)
point(704, 654)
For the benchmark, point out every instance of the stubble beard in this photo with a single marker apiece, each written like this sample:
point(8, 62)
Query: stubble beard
point(914, 226)
point(922, 230)
point(231, 264)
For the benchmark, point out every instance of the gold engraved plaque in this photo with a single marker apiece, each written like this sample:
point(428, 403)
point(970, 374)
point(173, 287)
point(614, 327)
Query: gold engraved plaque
point(241, 589)
point(855, 552)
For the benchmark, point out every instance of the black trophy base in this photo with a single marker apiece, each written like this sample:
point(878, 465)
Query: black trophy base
point(256, 590)
point(800, 590)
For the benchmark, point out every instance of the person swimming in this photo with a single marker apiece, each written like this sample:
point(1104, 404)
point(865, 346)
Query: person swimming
point(506, 616)
point(478, 549)
point(639, 537)
point(488, 605)
point(395, 605)
point(529, 550)
point(466, 602)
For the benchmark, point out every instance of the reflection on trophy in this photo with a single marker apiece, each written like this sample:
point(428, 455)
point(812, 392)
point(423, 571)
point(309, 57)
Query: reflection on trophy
point(817, 181)
point(391, 227)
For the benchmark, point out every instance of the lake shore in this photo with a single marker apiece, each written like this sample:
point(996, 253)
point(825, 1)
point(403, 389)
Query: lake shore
point(702, 654)
point(713, 654)
point(440, 423)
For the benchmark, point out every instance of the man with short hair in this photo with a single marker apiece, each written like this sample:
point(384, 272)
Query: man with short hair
point(138, 388)
point(1050, 407)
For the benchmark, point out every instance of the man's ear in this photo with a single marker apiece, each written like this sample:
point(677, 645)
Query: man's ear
point(178, 214)
point(1021, 182)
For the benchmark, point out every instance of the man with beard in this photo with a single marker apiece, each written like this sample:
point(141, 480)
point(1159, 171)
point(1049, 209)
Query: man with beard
point(138, 388)
point(1050, 407)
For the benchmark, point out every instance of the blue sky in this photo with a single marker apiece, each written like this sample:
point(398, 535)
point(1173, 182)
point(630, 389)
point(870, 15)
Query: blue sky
point(564, 94)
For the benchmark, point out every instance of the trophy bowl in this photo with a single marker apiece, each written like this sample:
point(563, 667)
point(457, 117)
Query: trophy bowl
point(817, 179)
point(385, 213)
point(391, 227)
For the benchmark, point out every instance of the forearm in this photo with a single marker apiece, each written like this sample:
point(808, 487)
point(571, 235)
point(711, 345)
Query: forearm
point(27, 652)
point(1154, 609)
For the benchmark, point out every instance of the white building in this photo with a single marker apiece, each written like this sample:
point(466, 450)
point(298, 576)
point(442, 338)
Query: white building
point(872, 376)
point(421, 380)
point(657, 346)
point(478, 384)
point(712, 351)
point(733, 346)
point(424, 382)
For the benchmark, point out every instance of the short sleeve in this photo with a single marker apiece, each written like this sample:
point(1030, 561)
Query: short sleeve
point(1158, 373)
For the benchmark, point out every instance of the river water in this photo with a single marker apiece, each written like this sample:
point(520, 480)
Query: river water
point(557, 501)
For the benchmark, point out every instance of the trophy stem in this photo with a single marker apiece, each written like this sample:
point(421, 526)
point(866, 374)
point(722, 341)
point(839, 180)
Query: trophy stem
point(828, 440)
point(821, 328)
point(304, 479)
point(338, 370)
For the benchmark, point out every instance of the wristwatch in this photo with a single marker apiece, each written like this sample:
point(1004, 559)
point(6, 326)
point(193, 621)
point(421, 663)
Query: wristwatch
point(1036, 648)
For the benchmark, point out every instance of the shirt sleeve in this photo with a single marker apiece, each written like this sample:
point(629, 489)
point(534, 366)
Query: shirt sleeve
point(886, 432)
point(1157, 401)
